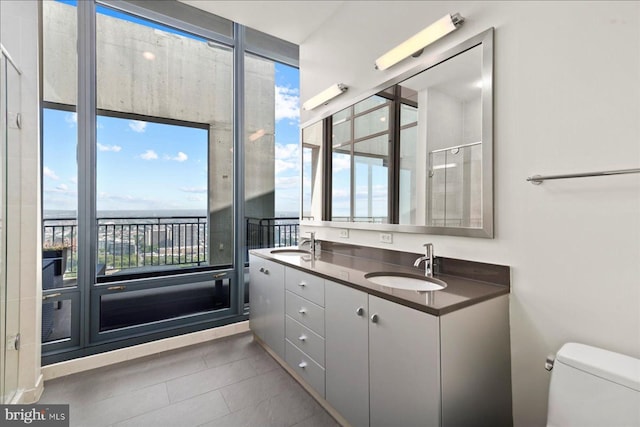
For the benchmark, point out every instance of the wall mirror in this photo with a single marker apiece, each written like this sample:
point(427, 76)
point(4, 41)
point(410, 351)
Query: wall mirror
point(414, 155)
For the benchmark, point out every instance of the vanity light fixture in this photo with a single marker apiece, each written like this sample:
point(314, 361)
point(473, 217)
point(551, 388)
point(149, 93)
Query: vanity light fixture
point(414, 45)
point(325, 96)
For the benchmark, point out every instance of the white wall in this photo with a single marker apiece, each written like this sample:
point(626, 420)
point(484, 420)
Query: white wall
point(20, 37)
point(567, 99)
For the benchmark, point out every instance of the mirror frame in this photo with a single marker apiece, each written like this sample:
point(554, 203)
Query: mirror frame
point(485, 39)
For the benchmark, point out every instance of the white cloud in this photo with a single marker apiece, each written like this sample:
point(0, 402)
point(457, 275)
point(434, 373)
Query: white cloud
point(62, 187)
point(287, 103)
point(286, 157)
point(194, 189)
point(73, 179)
point(285, 182)
point(341, 162)
point(194, 198)
point(137, 125)
point(71, 118)
point(50, 174)
point(181, 157)
point(114, 148)
point(149, 155)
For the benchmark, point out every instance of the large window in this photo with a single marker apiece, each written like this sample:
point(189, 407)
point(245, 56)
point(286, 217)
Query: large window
point(139, 165)
point(272, 153)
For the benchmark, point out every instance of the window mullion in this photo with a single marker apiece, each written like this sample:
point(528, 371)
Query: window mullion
point(238, 164)
point(86, 109)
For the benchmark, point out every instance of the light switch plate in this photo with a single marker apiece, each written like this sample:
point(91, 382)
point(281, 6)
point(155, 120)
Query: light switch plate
point(344, 233)
point(386, 238)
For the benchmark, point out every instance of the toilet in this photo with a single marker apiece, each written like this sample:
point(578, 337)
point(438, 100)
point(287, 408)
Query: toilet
point(593, 387)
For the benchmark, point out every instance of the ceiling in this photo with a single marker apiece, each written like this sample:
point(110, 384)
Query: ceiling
point(292, 21)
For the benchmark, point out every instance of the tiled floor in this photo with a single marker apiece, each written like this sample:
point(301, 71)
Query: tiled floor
point(229, 382)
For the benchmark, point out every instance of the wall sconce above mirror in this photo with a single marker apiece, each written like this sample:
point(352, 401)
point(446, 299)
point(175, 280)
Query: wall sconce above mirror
point(414, 155)
point(414, 45)
point(325, 96)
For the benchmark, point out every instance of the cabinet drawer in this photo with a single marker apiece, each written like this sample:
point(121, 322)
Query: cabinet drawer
point(306, 285)
point(305, 312)
point(305, 339)
point(306, 367)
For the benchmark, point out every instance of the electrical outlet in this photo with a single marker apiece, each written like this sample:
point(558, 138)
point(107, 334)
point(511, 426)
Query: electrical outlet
point(344, 233)
point(386, 238)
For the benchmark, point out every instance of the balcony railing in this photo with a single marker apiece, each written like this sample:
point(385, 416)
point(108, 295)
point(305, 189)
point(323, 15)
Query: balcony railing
point(272, 232)
point(125, 243)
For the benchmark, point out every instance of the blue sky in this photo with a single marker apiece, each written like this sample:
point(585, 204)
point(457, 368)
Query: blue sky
point(145, 165)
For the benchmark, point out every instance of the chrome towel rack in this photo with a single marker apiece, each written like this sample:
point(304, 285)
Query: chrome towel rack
point(537, 179)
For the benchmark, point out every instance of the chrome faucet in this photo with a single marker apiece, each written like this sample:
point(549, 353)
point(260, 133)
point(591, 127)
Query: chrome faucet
point(428, 260)
point(311, 241)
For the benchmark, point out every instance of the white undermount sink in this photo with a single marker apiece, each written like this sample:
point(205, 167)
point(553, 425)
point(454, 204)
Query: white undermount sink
point(406, 281)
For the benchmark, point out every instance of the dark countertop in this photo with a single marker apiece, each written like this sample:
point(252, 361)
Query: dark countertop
point(349, 270)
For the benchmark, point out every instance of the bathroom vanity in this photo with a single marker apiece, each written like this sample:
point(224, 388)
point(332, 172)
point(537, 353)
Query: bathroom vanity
point(375, 355)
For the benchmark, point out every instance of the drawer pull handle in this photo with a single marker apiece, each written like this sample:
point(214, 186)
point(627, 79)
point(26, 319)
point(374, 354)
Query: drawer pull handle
point(116, 288)
point(302, 284)
point(374, 318)
point(302, 338)
point(46, 297)
point(360, 311)
point(302, 365)
point(302, 311)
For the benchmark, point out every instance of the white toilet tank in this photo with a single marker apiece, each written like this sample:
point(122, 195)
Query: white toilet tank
point(594, 387)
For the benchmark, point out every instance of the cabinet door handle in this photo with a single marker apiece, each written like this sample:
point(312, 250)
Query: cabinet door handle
point(374, 318)
point(302, 311)
point(302, 284)
point(302, 365)
point(360, 311)
point(302, 338)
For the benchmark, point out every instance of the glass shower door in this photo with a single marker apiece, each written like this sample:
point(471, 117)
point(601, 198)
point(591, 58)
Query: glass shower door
point(9, 291)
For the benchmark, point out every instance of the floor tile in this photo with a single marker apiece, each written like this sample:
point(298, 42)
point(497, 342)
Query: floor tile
point(322, 419)
point(230, 350)
point(191, 412)
point(283, 410)
point(228, 382)
point(112, 410)
point(254, 390)
point(209, 379)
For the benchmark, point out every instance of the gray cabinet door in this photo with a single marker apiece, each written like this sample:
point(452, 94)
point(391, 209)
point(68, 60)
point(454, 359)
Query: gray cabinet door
point(347, 352)
point(266, 310)
point(404, 366)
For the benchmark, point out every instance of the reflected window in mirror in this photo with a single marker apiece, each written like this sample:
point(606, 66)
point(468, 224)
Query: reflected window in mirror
point(312, 139)
point(360, 162)
point(417, 155)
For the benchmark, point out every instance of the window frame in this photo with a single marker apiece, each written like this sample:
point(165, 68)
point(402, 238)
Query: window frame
point(187, 19)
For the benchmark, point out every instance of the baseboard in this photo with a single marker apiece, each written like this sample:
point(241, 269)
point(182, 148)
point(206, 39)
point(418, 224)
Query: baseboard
point(82, 364)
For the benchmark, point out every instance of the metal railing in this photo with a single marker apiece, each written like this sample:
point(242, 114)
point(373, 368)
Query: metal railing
point(272, 232)
point(125, 243)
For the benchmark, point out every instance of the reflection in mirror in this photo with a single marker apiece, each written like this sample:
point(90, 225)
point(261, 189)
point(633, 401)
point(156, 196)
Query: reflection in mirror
point(416, 156)
point(360, 158)
point(408, 156)
point(312, 172)
point(449, 111)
